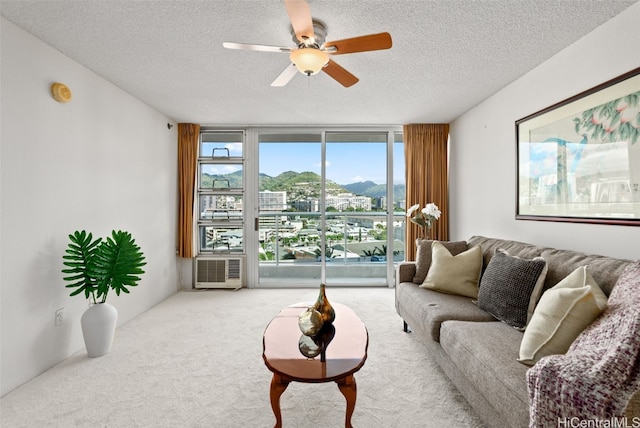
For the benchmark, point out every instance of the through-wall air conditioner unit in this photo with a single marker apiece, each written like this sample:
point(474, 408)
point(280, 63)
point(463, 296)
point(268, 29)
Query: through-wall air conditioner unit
point(218, 272)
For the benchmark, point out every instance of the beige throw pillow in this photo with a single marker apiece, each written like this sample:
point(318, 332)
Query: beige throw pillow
point(561, 315)
point(423, 255)
point(457, 274)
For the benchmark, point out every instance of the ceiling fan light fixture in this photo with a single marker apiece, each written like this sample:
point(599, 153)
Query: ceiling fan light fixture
point(309, 61)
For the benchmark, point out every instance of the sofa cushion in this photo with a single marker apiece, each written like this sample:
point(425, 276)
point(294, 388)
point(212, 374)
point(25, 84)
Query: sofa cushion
point(510, 288)
point(486, 353)
point(425, 310)
point(605, 270)
point(561, 315)
point(454, 274)
point(515, 248)
point(423, 256)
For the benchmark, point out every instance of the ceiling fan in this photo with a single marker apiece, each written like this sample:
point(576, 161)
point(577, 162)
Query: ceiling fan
point(311, 53)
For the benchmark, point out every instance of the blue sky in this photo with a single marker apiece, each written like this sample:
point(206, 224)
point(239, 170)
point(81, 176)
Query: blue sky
point(346, 162)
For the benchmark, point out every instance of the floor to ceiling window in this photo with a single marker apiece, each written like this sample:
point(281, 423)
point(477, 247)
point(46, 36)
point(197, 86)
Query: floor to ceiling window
point(302, 206)
point(326, 212)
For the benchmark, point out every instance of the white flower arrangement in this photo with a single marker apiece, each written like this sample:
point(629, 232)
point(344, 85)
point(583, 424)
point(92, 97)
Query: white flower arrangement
point(424, 217)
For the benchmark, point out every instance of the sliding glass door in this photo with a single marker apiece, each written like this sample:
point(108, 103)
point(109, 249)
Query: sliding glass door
point(290, 188)
point(325, 209)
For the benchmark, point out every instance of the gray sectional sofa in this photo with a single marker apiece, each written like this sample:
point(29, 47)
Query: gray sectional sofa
point(477, 352)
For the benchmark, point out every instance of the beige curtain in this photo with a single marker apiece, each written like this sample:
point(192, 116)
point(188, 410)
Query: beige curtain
point(425, 151)
point(188, 135)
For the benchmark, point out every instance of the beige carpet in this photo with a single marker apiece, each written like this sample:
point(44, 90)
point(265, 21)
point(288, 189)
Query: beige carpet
point(195, 360)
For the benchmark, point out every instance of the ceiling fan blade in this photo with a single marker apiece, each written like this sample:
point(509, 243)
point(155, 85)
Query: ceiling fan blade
point(340, 74)
point(372, 42)
point(285, 76)
point(250, 47)
point(300, 15)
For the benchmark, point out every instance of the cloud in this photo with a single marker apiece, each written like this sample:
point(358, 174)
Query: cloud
point(220, 169)
point(235, 149)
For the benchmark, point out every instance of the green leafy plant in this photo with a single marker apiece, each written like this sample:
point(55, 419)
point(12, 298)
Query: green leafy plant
point(94, 267)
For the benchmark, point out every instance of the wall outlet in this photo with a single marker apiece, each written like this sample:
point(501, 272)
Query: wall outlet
point(60, 316)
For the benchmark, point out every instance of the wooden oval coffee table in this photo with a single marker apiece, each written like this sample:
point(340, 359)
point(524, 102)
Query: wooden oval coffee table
point(344, 355)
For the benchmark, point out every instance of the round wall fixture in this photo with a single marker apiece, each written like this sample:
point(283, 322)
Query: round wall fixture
point(61, 92)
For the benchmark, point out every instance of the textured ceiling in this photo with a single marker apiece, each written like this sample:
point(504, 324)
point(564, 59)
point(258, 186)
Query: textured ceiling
point(447, 55)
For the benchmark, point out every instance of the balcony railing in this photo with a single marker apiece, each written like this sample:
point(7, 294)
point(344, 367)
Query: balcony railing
point(356, 247)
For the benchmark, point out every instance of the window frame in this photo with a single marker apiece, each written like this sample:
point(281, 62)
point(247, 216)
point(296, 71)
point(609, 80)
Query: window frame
point(250, 191)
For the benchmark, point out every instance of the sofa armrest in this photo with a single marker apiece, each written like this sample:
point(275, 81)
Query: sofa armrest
point(405, 271)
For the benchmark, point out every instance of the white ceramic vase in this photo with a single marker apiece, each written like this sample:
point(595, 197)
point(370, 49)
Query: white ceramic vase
point(98, 328)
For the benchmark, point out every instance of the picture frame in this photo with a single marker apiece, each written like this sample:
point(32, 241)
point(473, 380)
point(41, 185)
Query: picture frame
point(579, 160)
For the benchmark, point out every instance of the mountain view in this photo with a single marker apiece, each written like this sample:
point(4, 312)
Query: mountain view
point(303, 185)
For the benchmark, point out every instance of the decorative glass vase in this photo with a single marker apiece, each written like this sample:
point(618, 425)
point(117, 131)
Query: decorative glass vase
point(310, 322)
point(427, 232)
point(323, 306)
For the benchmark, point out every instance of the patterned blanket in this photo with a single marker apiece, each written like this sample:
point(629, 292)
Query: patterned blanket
point(600, 372)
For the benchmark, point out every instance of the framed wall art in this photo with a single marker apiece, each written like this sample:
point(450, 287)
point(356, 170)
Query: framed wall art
point(579, 160)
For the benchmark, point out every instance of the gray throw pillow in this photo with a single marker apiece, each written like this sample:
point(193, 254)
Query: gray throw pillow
point(510, 288)
point(423, 255)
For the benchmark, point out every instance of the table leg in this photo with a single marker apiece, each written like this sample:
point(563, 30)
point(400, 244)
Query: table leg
point(347, 386)
point(278, 385)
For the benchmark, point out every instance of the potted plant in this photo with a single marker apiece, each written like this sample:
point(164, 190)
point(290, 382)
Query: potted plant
point(94, 267)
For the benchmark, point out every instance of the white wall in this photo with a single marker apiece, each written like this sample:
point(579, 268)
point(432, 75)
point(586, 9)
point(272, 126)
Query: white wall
point(483, 145)
point(103, 161)
point(185, 274)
